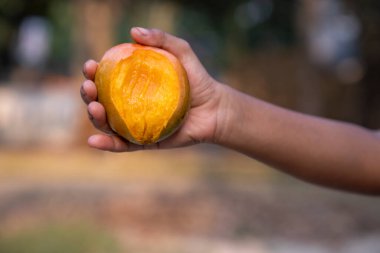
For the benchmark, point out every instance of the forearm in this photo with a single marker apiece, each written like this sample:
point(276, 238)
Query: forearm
point(322, 151)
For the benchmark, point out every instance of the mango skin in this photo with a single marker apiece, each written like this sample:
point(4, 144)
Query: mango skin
point(131, 113)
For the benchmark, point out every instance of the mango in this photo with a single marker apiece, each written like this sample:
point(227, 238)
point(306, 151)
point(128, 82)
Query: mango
point(144, 90)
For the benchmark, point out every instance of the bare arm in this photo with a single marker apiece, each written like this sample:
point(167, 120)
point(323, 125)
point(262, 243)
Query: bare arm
point(325, 152)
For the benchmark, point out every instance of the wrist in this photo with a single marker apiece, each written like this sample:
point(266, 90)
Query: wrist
point(225, 113)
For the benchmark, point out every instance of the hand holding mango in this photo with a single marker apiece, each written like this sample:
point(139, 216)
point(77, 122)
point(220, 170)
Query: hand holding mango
point(144, 90)
point(145, 95)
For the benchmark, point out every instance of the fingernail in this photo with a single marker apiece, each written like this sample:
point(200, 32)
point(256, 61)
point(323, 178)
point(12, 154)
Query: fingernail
point(142, 31)
point(91, 139)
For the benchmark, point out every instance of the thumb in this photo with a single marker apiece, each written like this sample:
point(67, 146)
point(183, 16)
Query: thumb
point(166, 41)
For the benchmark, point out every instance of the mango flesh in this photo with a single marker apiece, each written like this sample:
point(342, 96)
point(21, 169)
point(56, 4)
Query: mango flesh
point(144, 90)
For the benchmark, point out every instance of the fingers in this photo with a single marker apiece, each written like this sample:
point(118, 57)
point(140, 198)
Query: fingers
point(158, 38)
point(114, 143)
point(88, 91)
point(97, 115)
point(108, 143)
point(89, 69)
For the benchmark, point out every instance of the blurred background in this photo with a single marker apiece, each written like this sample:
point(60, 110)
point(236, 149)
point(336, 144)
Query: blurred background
point(57, 195)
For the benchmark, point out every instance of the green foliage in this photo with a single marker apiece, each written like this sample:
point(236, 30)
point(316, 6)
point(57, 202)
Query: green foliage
point(59, 238)
point(60, 14)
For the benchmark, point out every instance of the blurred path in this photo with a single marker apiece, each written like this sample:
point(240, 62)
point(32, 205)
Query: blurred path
point(201, 199)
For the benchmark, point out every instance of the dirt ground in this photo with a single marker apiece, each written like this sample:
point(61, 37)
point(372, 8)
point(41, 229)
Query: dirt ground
point(202, 199)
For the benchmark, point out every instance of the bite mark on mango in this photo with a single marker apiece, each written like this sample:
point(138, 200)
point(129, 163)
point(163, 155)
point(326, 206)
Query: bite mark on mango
point(145, 94)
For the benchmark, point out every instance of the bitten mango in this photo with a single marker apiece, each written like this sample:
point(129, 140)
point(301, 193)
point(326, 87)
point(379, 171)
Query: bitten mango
point(144, 90)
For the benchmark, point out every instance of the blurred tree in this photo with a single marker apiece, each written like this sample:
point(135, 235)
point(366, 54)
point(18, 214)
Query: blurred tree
point(368, 12)
point(223, 33)
point(94, 30)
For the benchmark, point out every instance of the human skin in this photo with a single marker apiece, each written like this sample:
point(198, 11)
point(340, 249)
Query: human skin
point(322, 151)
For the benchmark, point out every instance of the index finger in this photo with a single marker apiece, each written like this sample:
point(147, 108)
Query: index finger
point(89, 69)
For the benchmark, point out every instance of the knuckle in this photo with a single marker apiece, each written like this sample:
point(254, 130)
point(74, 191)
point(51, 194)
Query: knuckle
point(185, 44)
point(160, 35)
point(157, 32)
